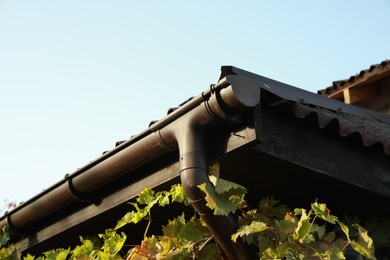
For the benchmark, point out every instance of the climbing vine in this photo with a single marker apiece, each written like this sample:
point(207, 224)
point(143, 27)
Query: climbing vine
point(276, 231)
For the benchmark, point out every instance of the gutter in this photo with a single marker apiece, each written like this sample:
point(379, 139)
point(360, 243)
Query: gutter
point(186, 129)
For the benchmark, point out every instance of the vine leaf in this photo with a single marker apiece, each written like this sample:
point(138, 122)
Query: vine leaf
point(220, 204)
point(278, 252)
point(190, 232)
point(271, 208)
point(288, 234)
point(224, 186)
point(321, 211)
point(27, 257)
point(113, 242)
point(252, 228)
point(174, 226)
point(86, 248)
point(214, 169)
point(178, 194)
point(332, 254)
point(345, 230)
point(303, 227)
point(163, 201)
point(147, 197)
point(363, 244)
point(60, 254)
point(4, 237)
point(224, 197)
point(209, 252)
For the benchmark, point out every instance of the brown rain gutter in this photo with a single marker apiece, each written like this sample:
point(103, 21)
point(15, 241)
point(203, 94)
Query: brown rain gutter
point(185, 129)
point(190, 134)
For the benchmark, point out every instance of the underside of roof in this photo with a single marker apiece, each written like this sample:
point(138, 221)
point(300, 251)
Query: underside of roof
point(292, 144)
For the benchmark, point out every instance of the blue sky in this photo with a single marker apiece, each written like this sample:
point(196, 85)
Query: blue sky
point(77, 76)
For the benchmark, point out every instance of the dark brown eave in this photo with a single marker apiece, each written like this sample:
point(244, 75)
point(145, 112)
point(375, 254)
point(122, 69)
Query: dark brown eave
point(370, 131)
point(290, 129)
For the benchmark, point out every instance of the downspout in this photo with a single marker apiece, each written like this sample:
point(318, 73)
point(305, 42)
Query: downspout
point(193, 172)
point(191, 138)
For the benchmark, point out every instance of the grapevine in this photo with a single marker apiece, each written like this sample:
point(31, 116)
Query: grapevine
point(272, 228)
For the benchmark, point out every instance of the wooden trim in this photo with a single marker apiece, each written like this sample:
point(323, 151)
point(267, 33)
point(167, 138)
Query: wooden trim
point(356, 94)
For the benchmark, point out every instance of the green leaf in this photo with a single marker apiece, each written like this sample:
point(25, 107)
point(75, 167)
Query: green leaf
point(57, 254)
point(209, 252)
point(314, 234)
point(163, 201)
point(174, 226)
point(4, 253)
point(190, 232)
point(135, 216)
point(252, 228)
point(303, 227)
point(146, 196)
point(345, 230)
point(183, 233)
point(278, 252)
point(220, 204)
point(321, 211)
point(27, 257)
point(331, 254)
point(214, 169)
point(285, 228)
point(329, 237)
point(126, 219)
point(363, 244)
point(5, 236)
point(178, 194)
point(222, 186)
point(152, 246)
point(271, 208)
point(113, 242)
point(224, 197)
point(97, 254)
point(86, 247)
point(321, 231)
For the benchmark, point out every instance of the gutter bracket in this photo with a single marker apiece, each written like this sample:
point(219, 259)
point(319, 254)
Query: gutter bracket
point(12, 228)
point(77, 195)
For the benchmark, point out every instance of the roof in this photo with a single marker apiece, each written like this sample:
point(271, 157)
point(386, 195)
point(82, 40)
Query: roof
point(376, 72)
point(372, 127)
point(288, 139)
point(370, 130)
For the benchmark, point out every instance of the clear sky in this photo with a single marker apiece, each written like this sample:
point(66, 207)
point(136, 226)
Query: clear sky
point(77, 76)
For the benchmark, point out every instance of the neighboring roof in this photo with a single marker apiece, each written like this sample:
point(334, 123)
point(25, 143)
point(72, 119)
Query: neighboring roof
point(289, 141)
point(375, 73)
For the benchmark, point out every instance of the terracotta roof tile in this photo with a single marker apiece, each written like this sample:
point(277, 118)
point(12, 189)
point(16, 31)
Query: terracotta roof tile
point(377, 71)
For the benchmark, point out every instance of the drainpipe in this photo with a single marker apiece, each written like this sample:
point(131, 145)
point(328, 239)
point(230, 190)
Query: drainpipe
point(191, 137)
point(185, 129)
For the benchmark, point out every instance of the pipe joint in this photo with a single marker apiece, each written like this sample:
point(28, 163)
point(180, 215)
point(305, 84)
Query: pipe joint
point(201, 208)
point(217, 108)
point(193, 159)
